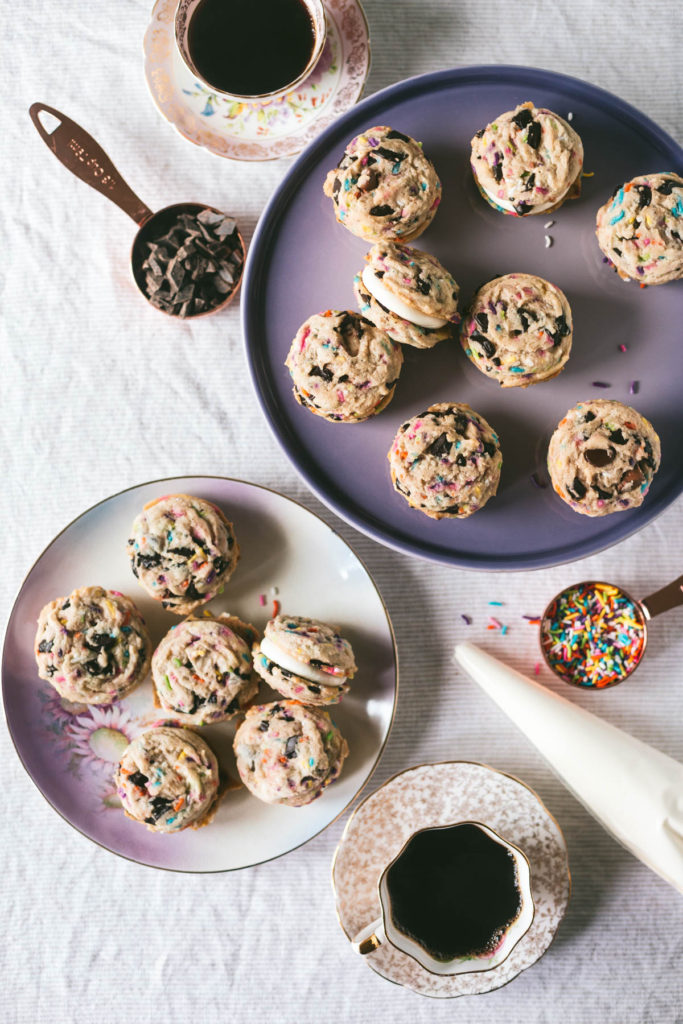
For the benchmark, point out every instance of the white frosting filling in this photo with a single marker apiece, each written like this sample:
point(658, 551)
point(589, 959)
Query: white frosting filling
point(506, 205)
point(380, 292)
point(300, 668)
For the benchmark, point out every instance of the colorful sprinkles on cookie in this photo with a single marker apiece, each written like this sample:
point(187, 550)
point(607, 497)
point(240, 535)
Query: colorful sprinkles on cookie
point(593, 635)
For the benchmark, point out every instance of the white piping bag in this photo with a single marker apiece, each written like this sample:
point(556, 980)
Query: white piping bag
point(633, 790)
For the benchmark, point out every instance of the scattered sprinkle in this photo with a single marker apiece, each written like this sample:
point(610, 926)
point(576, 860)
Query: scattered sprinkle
point(275, 591)
point(537, 668)
point(634, 387)
point(570, 116)
point(548, 224)
point(622, 348)
point(262, 600)
point(548, 241)
point(495, 622)
point(593, 635)
point(504, 630)
point(600, 384)
point(276, 608)
point(467, 619)
point(498, 603)
point(588, 174)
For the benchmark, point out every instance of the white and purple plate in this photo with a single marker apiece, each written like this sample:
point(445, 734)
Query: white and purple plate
point(302, 262)
point(70, 751)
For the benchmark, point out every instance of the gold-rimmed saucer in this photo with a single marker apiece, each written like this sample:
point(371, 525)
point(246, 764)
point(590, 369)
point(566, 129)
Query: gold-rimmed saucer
point(440, 794)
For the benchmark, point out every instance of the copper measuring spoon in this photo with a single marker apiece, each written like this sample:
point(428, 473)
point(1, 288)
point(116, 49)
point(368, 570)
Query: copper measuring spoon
point(85, 158)
point(603, 612)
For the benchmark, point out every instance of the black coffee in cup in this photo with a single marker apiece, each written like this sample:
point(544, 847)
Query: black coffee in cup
point(250, 47)
point(455, 891)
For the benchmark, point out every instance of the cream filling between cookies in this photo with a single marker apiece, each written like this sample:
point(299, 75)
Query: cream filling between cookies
point(506, 205)
point(299, 668)
point(380, 292)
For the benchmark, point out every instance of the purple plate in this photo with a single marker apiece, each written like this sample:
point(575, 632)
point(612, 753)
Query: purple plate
point(301, 262)
point(70, 750)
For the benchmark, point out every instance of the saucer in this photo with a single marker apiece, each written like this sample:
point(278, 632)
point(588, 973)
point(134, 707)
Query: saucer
point(263, 130)
point(441, 794)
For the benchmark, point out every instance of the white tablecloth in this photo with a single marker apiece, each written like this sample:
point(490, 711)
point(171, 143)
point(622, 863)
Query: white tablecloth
point(100, 392)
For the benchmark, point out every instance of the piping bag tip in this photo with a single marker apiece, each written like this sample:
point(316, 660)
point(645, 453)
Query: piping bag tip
point(633, 790)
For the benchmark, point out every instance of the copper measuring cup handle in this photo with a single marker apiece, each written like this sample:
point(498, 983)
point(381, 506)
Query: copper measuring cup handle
point(80, 154)
point(663, 600)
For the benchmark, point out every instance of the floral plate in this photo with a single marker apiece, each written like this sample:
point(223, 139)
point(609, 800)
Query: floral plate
point(442, 794)
point(70, 750)
point(263, 130)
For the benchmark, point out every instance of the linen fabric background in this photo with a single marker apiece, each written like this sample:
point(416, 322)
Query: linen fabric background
point(99, 393)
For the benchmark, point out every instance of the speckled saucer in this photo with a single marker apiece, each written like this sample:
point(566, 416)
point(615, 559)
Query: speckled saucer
point(262, 130)
point(442, 794)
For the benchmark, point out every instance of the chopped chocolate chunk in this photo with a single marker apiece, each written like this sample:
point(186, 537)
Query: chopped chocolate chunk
point(522, 208)
point(600, 457)
point(489, 448)
point(644, 196)
point(393, 134)
point(149, 561)
point(290, 746)
point(529, 183)
point(160, 804)
point(480, 133)
point(45, 646)
point(324, 372)
point(440, 447)
point(482, 321)
point(605, 495)
point(577, 490)
point(381, 211)
point(666, 188)
point(588, 417)
point(93, 668)
point(423, 286)
point(523, 117)
point(617, 437)
point(487, 345)
point(138, 779)
point(533, 135)
point(630, 480)
point(264, 725)
point(390, 154)
point(98, 640)
point(497, 171)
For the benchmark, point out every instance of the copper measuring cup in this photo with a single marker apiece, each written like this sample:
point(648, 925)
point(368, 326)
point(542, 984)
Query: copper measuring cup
point(85, 158)
point(662, 600)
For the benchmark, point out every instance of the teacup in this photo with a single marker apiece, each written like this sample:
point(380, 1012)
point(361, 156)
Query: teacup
point(466, 886)
point(315, 10)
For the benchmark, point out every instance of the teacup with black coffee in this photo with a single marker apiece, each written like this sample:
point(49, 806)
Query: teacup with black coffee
point(457, 898)
point(250, 49)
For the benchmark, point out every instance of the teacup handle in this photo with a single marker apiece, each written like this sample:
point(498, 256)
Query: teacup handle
point(370, 938)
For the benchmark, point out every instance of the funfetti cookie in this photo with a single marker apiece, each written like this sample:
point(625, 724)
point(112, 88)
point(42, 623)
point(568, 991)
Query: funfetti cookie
point(92, 646)
point(527, 161)
point(182, 551)
point(288, 753)
point(343, 368)
point(384, 187)
point(168, 779)
point(202, 669)
point(305, 659)
point(446, 461)
point(602, 457)
point(408, 294)
point(640, 229)
point(518, 330)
